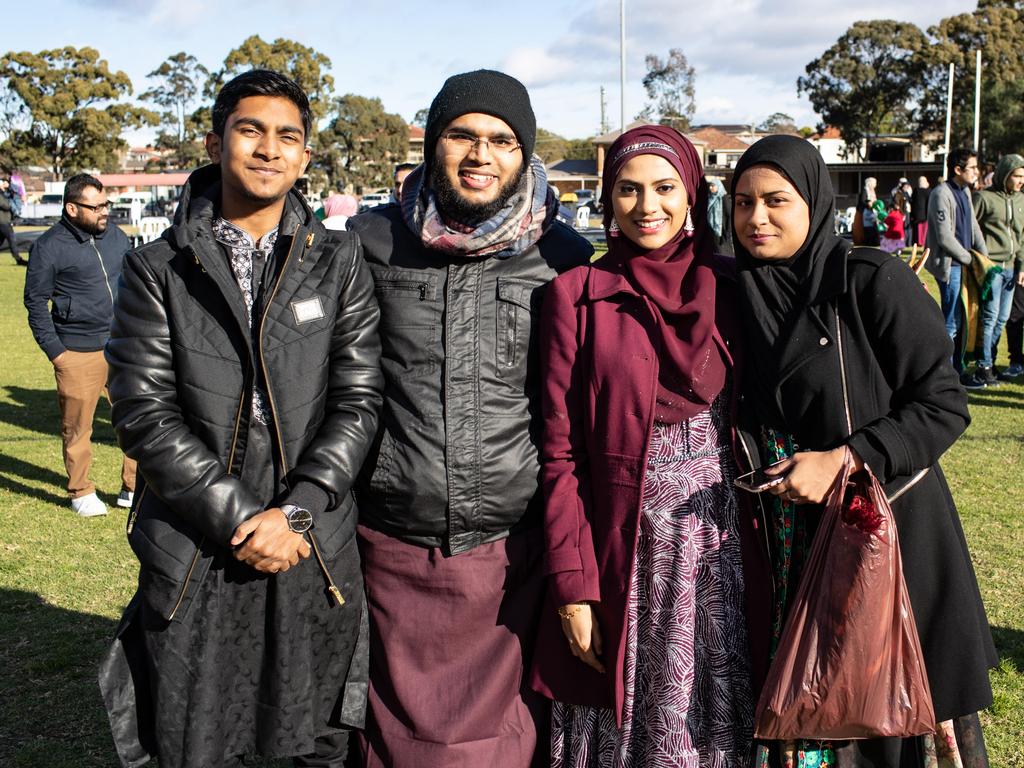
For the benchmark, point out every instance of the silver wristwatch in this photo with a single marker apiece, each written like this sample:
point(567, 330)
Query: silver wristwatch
point(299, 520)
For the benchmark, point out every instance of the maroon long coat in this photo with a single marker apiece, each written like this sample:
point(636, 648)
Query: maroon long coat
point(599, 353)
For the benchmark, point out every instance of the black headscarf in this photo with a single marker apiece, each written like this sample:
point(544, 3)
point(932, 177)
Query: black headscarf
point(773, 293)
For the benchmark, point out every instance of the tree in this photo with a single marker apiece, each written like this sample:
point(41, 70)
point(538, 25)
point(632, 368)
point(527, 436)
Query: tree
point(777, 122)
point(180, 77)
point(865, 81)
point(306, 66)
point(996, 29)
point(420, 118)
point(550, 146)
point(69, 115)
point(670, 87)
point(362, 143)
point(580, 149)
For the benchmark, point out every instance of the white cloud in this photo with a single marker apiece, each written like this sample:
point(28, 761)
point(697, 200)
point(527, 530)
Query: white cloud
point(747, 54)
point(537, 67)
point(178, 14)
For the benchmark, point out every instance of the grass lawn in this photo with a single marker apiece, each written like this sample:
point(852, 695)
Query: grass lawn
point(64, 580)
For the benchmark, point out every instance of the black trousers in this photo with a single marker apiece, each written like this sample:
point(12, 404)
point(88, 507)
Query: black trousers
point(1015, 327)
point(7, 233)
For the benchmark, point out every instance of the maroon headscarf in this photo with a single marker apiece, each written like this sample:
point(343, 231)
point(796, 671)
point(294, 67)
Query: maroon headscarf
point(678, 277)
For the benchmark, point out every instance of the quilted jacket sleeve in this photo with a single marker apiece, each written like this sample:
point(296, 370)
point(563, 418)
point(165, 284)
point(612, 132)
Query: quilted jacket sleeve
point(177, 465)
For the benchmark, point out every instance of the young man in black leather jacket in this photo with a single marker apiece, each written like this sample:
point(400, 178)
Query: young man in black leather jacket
point(245, 380)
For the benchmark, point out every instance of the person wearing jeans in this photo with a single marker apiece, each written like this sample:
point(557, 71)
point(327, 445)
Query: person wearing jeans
point(1000, 214)
point(953, 232)
point(949, 294)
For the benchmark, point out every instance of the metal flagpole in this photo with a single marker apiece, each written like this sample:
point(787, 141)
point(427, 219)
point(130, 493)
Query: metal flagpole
point(622, 66)
point(977, 98)
point(949, 115)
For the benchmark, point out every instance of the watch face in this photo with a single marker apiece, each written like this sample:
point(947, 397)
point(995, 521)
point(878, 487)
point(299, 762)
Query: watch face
point(300, 520)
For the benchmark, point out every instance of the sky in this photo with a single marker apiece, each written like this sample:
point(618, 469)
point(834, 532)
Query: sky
point(747, 54)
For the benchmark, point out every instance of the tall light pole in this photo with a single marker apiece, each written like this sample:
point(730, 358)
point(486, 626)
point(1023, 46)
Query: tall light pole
point(622, 66)
point(977, 98)
point(949, 115)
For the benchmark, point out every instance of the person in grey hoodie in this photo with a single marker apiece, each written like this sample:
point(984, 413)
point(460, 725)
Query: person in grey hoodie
point(953, 232)
point(1000, 213)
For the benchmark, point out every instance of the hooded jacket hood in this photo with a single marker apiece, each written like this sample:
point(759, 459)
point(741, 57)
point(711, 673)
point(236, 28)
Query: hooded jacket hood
point(1000, 216)
point(1007, 164)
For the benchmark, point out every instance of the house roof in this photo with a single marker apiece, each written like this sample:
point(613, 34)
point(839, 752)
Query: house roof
point(718, 140)
point(415, 132)
point(830, 132)
point(608, 138)
point(143, 179)
point(730, 128)
point(584, 167)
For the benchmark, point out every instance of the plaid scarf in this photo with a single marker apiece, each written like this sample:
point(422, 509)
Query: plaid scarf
point(526, 216)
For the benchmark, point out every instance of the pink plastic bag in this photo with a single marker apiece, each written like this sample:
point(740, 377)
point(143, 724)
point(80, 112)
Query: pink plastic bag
point(849, 663)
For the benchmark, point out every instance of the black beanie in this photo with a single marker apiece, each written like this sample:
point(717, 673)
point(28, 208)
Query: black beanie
point(487, 92)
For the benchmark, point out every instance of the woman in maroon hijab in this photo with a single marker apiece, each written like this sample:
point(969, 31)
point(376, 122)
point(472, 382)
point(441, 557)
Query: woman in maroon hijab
point(643, 645)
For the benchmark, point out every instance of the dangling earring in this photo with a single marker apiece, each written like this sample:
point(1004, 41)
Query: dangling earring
point(613, 230)
point(688, 224)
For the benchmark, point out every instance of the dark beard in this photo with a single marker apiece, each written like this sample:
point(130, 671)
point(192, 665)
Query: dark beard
point(454, 207)
point(92, 229)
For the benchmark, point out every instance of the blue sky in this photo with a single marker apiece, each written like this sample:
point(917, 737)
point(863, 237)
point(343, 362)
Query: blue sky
point(747, 53)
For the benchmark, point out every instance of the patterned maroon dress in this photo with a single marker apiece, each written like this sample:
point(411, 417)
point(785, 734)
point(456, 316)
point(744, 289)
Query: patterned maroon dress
point(688, 700)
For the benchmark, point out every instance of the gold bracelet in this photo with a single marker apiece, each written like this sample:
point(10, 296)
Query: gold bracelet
point(568, 613)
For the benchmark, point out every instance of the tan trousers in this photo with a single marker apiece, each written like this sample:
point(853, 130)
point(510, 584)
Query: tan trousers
point(81, 379)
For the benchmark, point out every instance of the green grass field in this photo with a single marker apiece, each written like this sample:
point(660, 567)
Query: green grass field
point(64, 580)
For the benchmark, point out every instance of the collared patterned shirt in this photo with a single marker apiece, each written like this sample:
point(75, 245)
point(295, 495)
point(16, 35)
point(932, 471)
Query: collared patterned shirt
point(241, 248)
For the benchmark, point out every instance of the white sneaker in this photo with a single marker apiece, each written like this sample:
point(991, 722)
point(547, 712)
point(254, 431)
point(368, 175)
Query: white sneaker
point(89, 506)
point(124, 499)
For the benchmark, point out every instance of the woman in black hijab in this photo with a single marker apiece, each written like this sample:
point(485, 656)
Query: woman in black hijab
point(847, 351)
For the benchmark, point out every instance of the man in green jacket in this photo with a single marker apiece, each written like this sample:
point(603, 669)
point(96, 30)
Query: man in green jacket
point(1000, 213)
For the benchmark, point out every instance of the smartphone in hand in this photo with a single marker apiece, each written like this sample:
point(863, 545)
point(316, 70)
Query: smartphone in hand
point(759, 480)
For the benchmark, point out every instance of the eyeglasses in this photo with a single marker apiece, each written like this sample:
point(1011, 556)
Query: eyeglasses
point(98, 208)
point(467, 141)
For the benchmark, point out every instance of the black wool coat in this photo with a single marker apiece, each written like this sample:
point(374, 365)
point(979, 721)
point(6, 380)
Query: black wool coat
point(874, 339)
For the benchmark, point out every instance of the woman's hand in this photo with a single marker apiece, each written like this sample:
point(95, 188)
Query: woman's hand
point(810, 475)
point(584, 636)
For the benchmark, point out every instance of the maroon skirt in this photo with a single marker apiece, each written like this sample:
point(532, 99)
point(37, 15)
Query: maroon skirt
point(449, 640)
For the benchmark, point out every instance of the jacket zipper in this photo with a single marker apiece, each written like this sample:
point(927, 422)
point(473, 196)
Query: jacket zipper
point(202, 540)
point(408, 286)
point(510, 334)
point(106, 277)
point(188, 578)
point(135, 510)
point(849, 421)
point(332, 588)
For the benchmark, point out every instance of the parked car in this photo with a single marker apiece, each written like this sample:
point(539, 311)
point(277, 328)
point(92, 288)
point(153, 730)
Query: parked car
point(373, 199)
point(49, 206)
